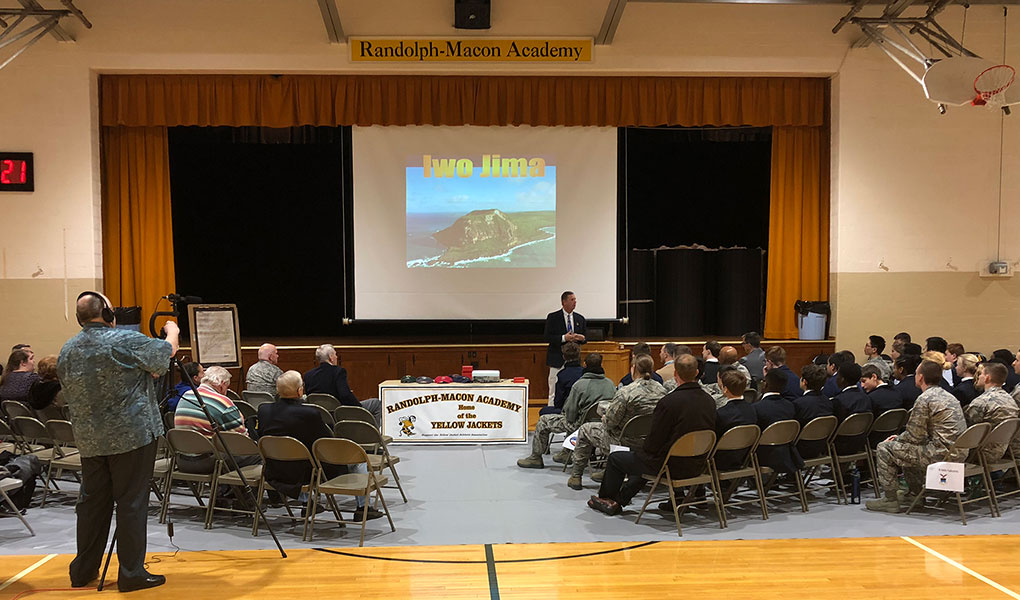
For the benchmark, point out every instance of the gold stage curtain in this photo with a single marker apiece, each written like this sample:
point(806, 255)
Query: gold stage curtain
point(138, 245)
point(798, 258)
point(291, 100)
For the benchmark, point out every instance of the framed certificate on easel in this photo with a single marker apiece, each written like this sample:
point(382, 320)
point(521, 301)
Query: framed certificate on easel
point(215, 334)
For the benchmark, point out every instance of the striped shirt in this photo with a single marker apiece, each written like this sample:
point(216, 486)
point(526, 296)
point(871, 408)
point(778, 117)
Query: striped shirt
point(189, 414)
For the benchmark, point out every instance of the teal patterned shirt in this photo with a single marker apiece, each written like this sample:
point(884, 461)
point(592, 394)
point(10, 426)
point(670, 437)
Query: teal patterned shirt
point(107, 378)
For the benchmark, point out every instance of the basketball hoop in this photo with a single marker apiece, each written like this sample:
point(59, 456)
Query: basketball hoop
point(991, 84)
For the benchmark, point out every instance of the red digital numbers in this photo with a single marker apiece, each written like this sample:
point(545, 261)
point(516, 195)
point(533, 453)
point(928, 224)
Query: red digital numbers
point(13, 171)
point(16, 172)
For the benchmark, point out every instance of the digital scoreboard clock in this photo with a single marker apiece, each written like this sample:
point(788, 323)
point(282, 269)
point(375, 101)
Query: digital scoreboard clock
point(17, 172)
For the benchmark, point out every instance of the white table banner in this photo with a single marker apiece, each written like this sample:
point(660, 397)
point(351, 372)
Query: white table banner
point(452, 412)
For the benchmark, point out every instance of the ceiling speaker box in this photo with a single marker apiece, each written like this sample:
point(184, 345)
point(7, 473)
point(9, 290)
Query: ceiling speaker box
point(471, 14)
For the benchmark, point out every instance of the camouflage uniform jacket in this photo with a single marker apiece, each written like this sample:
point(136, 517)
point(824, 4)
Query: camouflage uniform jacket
point(262, 377)
point(638, 398)
point(107, 378)
point(885, 371)
point(994, 406)
point(935, 422)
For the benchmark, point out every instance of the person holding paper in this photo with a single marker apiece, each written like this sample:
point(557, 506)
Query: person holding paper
point(935, 422)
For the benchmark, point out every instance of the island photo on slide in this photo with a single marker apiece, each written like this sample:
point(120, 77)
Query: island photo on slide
point(485, 211)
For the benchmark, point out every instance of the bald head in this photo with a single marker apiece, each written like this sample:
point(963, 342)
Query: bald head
point(268, 352)
point(89, 309)
point(728, 355)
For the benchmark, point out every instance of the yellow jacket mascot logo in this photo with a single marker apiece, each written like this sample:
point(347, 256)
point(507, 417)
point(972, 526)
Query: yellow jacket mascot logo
point(407, 425)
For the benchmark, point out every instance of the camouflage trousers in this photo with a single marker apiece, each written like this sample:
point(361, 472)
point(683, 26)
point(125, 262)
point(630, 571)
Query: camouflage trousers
point(589, 437)
point(546, 426)
point(892, 456)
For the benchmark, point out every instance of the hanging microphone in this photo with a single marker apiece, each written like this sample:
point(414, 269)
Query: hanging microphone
point(177, 298)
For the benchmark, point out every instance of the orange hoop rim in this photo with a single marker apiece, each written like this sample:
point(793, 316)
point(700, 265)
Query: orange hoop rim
point(983, 97)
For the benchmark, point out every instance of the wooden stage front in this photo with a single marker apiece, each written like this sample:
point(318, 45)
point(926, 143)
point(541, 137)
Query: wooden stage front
point(369, 362)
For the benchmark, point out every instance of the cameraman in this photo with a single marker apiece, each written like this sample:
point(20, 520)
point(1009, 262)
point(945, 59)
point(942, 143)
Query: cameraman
point(109, 379)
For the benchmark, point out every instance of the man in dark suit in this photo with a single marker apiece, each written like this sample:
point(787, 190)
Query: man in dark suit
point(711, 355)
point(882, 395)
point(287, 416)
point(565, 379)
point(904, 373)
point(685, 409)
point(851, 399)
point(775, 360)
point(755, 356)
point(562, 326)
point(835, 361)
point(330, 378)
point(811, 405)
point(734, 413)
point(771, 408)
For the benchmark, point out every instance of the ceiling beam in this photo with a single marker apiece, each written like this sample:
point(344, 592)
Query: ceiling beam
point(331, 19)
point(614, 13)
point(56, 31)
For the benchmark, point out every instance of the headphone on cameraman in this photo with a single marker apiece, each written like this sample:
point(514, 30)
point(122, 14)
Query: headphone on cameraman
point(107, 313)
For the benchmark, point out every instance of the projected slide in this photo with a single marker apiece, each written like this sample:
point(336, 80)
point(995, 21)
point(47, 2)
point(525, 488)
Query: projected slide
point(500, 213)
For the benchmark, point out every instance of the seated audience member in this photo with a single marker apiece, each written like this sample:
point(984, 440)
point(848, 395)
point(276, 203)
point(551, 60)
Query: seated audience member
point(681, 350)
point(565, 378)
point(667, 354)
point(940, 359)
point(775, 360)
point(882, 396)
point(1015, 373)
point(196, 372)
point(811, 405)
point(873, 349)
point(640, 348)
point(896, 352)
point(902, 336)
point(754, 359)
point(953, 352)
point(836, 360)
point(18, 376)
point(687, 408)
point(638, 398)
point(993, 406)
point(262, 375)
point(821, 360)
point(189, 415)
point(771, 408)
point(935, 423)
point(735, 412)
point(907, 386)
point(591, 388)
point(851, 400)
point(44, 396)
point(966, 371)
point(711, 355)
point(330, 378)
point(1007, 358)
point(728, 356)
point(288, 416)
point(938, 344)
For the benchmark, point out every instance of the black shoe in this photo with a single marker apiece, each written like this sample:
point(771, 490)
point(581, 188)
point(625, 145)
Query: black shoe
point(140, 583)
point(666, 506)
point(85, 583)
point(372, 514)
point(605, 505)
point(319, 509)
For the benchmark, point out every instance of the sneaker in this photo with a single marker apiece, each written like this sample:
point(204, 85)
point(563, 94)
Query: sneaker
point(886, 504)
point(533, 461)
point(562, 456)
point(574, 482)
point(597, 476)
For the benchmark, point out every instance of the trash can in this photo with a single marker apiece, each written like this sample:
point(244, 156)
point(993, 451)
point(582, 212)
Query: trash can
point(813, 319)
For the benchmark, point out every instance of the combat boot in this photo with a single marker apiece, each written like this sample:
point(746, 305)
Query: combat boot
point(532, 461)
point(889, 503)
point(562, 456)
point(574, 482)
point(597, 476)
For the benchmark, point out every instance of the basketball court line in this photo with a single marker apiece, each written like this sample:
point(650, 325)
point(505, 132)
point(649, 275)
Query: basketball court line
point(488, 558)
point(26, 571)
point(963, 568)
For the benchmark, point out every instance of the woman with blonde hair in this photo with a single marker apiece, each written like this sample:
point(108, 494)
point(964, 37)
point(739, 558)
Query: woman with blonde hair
point(947, 367)
point(966, 370)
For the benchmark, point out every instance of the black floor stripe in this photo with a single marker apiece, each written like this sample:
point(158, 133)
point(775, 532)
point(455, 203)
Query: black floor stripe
point(491, 563)
point(480, 562)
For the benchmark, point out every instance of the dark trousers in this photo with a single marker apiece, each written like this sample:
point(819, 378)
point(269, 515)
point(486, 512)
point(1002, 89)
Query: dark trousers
point(122, 479)
point(624, 465)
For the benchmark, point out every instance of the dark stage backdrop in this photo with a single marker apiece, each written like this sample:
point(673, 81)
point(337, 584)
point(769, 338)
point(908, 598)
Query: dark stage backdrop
point(695, 213)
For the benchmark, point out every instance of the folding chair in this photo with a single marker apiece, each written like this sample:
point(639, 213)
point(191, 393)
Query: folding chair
point(335, 451)
point(168, 420)
point(365, 434)
point(327, 417)
point(257, 398)
point(1009, 461)
point(326, 401)
point(160, 468)
point(855, 426)
point(13, 408)
point(690, 445)
point(69, 460)
point(285, 449)
point(780, 433)
point(8, 441)
point(819, 429)
point(358, 413)
point(1002, 434)
point(234, 397)
point(11, 484)
point(247, 410)
point(51, 412)
point(740, 438)
point(968, 440)
point(187, 441)
point(891, 422)
point(36, 435)
point(240, 446)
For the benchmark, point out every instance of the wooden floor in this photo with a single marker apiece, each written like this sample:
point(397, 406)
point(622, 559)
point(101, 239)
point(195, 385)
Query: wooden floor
point(971, 567)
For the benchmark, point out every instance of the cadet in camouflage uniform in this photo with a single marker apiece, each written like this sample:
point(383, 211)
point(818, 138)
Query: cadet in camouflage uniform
point(935, 422)
point(592, 387)
point(993, 406)
point(108, 381)
point(637, 398)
